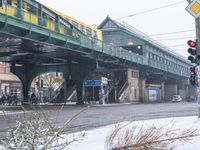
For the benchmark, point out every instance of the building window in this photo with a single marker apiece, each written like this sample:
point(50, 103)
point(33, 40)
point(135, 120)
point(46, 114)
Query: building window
point(134, 74)
point(7, 69)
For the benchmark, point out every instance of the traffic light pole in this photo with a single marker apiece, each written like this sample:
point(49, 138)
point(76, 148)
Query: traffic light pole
point(197, 26)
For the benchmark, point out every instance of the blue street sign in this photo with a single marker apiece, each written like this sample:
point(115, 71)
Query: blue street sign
point(92, 83)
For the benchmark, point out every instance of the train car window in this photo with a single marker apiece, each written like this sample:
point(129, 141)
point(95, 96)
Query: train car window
point(89, 31)
point(14, 3)
point(51, 19)
point(24, 6)
point(75, 23)
point(67, 19)
point(31, 9)
point(44, 15)
point(9, 2)
point(65, 23)
point(82, 28)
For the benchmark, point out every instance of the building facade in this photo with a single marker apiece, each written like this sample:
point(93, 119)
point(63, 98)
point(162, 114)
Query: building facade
point(9, 83)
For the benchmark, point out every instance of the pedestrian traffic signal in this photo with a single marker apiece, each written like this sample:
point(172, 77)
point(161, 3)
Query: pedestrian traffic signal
point(192, 51)
point(192, 76)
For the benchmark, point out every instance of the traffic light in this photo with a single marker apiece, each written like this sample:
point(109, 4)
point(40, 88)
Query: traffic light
point(192, 76)
point(192, 51)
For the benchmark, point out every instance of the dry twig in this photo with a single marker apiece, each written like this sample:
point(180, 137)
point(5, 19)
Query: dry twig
point(132, 138)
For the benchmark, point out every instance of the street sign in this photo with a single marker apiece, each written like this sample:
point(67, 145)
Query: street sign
point(194, 8)
point(92, 83)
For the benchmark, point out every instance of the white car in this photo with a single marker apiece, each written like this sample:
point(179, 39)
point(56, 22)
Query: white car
point(176, 98)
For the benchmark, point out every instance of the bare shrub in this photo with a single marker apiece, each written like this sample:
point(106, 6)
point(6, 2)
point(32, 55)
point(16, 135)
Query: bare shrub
point(129, 137)
point(38, 132)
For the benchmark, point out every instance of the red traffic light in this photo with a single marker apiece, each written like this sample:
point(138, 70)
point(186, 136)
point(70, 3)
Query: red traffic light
point(191, 43)
point(192, 73)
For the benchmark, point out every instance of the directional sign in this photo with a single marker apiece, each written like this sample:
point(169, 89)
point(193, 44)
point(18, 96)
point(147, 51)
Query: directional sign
point(194, 8)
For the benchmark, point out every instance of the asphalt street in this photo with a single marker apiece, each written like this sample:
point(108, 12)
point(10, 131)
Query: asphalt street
point(95, 116)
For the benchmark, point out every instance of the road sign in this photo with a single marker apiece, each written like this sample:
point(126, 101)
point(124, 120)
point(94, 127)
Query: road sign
point(92, 83)
point(194, 8)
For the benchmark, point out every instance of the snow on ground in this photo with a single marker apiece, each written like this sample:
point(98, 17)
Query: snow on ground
point(95, 139)
point(10, 112)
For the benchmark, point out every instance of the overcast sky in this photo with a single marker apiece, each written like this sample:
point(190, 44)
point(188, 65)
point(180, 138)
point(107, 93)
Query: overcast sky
point(165, 20)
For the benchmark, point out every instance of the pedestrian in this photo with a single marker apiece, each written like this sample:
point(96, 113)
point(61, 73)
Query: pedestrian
point(34, 99)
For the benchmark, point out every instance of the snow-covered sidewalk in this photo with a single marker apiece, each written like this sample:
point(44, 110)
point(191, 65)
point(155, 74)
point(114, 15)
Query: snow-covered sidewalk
point(95, 139)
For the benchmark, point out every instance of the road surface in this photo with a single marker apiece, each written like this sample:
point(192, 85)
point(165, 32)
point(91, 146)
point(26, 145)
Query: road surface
point(96, 116)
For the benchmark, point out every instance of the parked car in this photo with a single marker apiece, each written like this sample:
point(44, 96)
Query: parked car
point(176, 98)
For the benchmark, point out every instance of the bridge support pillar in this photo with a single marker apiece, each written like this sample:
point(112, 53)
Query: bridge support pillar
point(142, 87)
point(170, 90)
point(79, 72)
point(28, 72)
point(79, 90)
point(163, 91)
point(22, 73)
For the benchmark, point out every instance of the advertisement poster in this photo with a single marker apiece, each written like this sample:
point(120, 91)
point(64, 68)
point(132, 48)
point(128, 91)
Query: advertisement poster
point(152, 95)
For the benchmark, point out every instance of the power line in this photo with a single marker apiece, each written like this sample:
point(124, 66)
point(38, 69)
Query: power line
point(180, 49)
point(150, 10)
point(176, 45)
point(174, 39)
point(171, 33)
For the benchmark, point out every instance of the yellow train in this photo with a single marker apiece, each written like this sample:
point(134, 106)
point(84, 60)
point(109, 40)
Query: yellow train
point(38, 14)
point(84, 28)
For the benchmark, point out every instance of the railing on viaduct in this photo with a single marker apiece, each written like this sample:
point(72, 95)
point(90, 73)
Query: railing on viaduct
point(19, 19)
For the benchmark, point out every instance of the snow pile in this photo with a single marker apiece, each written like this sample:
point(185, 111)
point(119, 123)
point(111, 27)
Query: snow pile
point(95, 139)
point(37, 134)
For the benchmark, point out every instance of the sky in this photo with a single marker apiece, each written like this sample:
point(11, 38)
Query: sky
point(164, 20)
